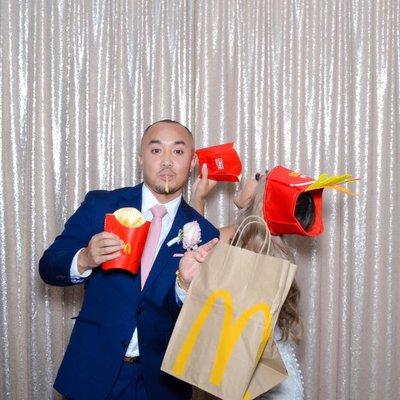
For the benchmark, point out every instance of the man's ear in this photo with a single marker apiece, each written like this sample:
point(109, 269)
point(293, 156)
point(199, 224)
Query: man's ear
point(140, 161)
point(193, 162)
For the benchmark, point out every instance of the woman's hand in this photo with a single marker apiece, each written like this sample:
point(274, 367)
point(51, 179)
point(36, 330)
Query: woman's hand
point(190, 263)
point(201, 189)
point(246, 194)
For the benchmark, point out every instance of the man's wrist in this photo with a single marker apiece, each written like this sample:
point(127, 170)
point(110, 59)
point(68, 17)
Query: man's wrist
point(181, 283)
point(82, 262)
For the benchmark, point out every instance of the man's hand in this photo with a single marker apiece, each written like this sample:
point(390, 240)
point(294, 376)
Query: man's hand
point(201, 189)
point(102, 247)
point(190, 263)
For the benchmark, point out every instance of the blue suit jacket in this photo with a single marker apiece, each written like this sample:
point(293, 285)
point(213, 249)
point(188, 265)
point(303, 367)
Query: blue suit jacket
point(114, 304)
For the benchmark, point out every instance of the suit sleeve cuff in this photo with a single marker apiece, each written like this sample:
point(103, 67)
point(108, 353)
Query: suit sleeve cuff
point(76, 277)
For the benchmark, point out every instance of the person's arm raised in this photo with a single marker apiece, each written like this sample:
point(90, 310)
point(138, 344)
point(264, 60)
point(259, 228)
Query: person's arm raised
point(201, 189)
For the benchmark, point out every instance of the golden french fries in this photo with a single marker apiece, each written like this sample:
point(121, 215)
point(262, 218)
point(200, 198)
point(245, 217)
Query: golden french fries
point(129, 217)
point(166, 184)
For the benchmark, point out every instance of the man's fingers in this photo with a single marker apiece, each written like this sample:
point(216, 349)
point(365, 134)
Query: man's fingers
point(109, 242)
point(108, 257)
point(209, 245)
point(106, 235)
point(202, 252)
point(198, 257)
point(108, 250)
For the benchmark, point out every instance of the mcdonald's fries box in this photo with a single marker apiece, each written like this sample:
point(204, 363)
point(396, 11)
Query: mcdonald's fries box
point(133, 230)
point(222, 161)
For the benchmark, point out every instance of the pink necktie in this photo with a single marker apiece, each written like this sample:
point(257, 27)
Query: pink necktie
point(150, 247)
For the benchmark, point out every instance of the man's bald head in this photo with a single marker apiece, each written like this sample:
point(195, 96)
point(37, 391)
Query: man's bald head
point(168, 121)
point(167, 158)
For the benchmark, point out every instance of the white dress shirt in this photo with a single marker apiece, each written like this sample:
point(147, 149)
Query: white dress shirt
point(148, 201)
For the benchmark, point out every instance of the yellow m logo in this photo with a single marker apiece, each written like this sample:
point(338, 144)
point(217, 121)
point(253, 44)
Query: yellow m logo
point(127, 248)
point(229, 335)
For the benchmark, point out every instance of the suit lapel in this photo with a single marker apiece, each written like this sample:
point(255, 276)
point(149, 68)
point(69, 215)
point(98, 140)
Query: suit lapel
point(165, 253)
point(133, 198)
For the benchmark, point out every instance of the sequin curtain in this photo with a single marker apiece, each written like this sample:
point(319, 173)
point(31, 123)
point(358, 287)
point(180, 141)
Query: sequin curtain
point(313, 85)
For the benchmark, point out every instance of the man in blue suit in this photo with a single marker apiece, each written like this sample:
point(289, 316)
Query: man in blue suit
point(122, 331)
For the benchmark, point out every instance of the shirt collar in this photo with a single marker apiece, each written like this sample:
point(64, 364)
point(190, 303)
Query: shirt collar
point(149, 201)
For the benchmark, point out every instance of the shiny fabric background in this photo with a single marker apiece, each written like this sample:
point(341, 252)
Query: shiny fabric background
point(313, 85)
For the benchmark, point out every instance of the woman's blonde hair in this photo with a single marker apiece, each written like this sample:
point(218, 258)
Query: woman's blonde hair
point(253, 238)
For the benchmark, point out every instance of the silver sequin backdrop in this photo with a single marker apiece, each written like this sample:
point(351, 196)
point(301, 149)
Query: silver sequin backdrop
point(310, 84)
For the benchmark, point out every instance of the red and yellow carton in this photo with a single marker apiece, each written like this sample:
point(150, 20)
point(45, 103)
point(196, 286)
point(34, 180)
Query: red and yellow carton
point(222, 161)
point(282, 189)
point(131, 227)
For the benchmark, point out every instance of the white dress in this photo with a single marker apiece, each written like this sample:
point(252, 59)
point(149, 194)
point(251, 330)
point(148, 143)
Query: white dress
point(292, 388)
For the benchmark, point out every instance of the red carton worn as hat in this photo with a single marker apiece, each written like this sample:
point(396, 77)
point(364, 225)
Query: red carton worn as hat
point(282, 190)
point(222, 161)
point(131, 227)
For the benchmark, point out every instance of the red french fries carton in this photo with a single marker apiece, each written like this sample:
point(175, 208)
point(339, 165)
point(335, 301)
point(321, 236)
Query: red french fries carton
point(132, 228)
point(222, 161)
point(293, 201)
point(282, 190)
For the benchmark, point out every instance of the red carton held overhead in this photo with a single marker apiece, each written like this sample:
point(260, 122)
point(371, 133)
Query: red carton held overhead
point(283, 189)
point(222, 161)
point(131, 227)
point(293, 201)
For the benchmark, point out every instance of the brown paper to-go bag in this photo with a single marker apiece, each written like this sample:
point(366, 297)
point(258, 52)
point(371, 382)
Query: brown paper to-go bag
point(223, 339)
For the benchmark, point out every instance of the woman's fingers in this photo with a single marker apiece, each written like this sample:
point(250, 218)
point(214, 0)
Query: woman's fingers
point(204, 172)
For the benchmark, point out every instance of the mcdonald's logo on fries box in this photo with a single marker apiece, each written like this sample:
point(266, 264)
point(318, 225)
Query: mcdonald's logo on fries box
point(131, 227)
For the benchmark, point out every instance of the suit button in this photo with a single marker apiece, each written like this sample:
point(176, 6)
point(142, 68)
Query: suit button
point(140, 310)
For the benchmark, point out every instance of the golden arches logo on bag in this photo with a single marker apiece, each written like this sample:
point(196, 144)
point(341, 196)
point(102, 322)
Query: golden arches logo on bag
point(229, 334)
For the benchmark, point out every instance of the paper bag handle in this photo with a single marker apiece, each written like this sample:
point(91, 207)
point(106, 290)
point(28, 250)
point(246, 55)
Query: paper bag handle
point(246, 223)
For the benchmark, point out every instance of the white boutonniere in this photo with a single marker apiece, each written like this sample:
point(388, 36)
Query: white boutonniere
point(189, 235)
